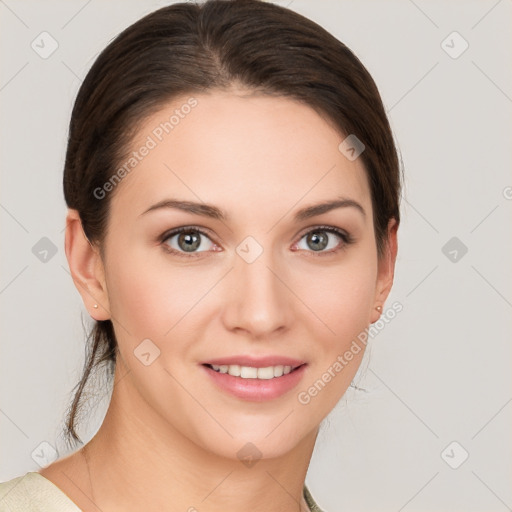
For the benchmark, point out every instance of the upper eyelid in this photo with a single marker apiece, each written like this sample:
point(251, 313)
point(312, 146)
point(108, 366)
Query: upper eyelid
point(325, 227)
point(176, 231)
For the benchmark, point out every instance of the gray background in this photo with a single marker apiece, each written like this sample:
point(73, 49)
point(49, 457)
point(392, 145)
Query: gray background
point(439, 372)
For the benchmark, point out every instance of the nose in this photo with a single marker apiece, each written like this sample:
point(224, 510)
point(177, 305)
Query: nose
point(257, 300)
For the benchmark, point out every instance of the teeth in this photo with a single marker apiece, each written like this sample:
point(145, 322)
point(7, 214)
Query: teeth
point(249, 372)
point(234, 370)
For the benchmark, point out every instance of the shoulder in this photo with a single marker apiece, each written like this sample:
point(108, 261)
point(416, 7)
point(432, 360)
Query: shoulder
point(313, 507)
point(32, 492)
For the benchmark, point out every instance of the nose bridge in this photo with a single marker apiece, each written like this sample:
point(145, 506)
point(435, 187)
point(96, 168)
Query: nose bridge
point(258, 301)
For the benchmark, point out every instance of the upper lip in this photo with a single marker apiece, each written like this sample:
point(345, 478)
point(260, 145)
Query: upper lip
point(256, 362)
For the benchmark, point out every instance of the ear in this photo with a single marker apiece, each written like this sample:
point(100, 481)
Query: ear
point(386, 270)
point(86, 268)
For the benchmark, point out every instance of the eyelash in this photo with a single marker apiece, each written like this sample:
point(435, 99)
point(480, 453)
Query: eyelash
point(347, 239)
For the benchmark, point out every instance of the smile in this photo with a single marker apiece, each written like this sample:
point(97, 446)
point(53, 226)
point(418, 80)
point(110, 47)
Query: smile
point(250, 372)
point(255, 384)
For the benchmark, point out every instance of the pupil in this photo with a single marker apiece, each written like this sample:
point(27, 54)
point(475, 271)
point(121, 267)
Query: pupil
point(318, 242)
point(190, 241)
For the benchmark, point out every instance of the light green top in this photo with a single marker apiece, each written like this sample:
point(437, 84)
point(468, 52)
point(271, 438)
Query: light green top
point(33, 492)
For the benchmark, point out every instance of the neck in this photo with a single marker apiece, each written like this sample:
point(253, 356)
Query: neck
point(137, 460)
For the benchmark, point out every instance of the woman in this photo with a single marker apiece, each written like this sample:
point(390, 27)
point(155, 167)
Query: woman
point(233, 192)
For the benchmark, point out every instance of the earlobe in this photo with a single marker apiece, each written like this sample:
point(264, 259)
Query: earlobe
point(386, 270)
point(86, 268)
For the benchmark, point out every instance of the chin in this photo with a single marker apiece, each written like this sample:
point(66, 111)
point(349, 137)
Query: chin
point(255, 437)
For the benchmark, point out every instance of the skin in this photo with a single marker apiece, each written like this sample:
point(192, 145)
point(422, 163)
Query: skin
point(168, 429)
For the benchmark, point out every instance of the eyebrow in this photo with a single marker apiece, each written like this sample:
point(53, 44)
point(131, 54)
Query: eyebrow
point(209, 210)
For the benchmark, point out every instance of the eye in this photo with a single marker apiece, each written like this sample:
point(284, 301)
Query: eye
point(186, 241)
point(322, 239)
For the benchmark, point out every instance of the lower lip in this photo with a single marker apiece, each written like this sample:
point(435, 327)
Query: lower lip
point(256, 390)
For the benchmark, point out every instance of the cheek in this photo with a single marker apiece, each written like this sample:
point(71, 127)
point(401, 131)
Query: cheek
point(150, 299)
point(341, 297)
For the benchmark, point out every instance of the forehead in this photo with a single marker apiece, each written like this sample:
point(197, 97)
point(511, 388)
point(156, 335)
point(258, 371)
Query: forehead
point(239, 151)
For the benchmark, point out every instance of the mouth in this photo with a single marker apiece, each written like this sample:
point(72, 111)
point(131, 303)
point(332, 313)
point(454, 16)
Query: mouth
point(253, 372)
point(255, 383)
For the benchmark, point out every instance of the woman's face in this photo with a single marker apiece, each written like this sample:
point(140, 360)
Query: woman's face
point(264, 282)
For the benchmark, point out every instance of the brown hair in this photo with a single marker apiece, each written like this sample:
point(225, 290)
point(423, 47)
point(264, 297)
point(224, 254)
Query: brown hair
point(189, 48)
